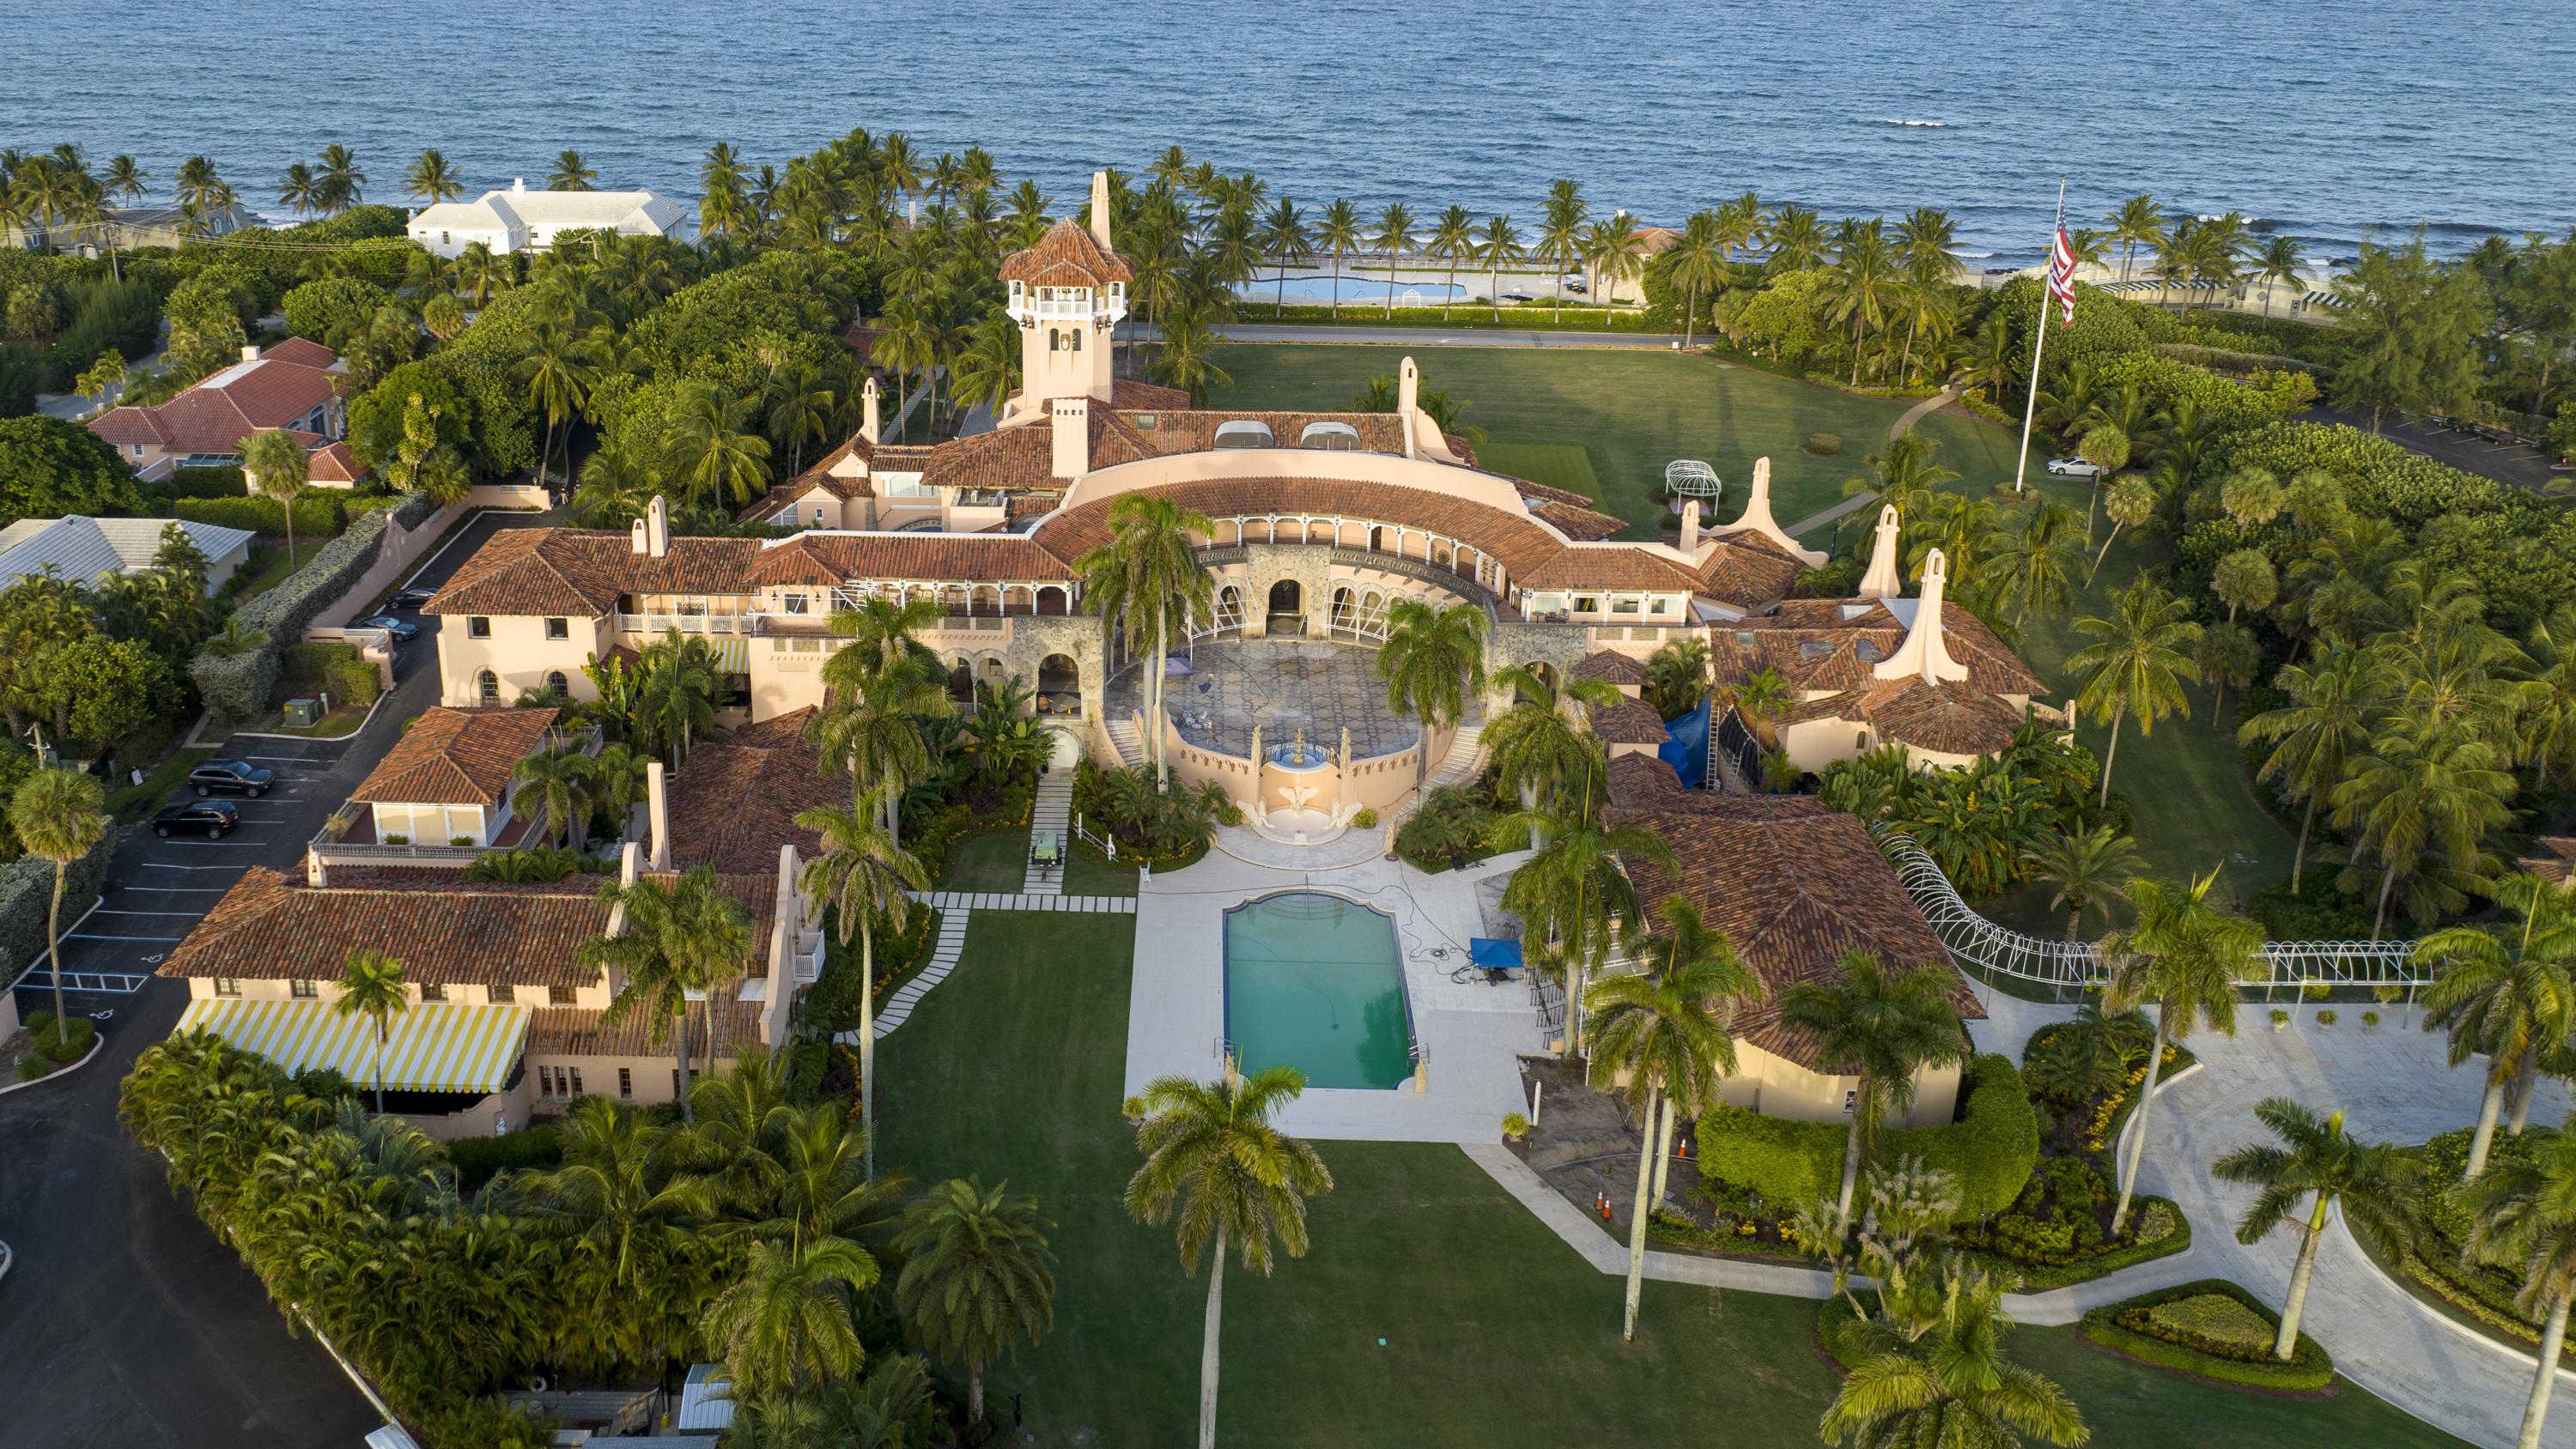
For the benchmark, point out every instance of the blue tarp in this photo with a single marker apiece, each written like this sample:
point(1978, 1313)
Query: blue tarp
point(1687, 750)
point(1494, 954)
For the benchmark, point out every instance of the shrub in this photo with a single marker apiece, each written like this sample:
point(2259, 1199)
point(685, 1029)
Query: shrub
point(341, 670)
point(236, 687)
point(205, 483)
point(2279, 1018)
point(478, 1160)
point(832, 1003)
point(319, 513)
point(1824, 445)
point(2213, 1329)
point(2326, 1017)
point(61, 1047)
point(1515, 1126)
point(2370, 1021)
point(1366, 819)
point(27, 890)
point(1447, 829)
point(1989, 1151)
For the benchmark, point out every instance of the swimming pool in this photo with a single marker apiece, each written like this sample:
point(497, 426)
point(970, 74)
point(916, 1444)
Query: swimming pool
point(1312, 981)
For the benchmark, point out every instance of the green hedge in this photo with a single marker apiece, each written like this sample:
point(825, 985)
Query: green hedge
point(27, 892)
point(319, 513)
point(341, 670)
point(1990, 1151)
point(480, 1159)
point(204, 483)
point(236, 688)
point(831, 1005)
point(2038, 1276)
point(2117, 1326)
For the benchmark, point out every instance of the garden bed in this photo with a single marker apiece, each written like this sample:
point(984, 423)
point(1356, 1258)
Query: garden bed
point(2477, 1297)
point(31, 1054)
point(2212, 1330)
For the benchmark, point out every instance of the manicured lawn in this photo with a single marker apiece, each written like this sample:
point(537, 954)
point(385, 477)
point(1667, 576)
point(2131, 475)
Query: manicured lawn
point(1432, 1308)
point(1088, 873)
point(1631, 412)
point(998, 861)
point(271, 565)
point(1558, 465)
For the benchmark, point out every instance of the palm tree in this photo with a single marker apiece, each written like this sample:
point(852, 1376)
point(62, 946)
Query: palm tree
point(125, 177)
point(1883, 1027)
point(570, 173)
point(2420, 804)
point(275, 464)
point(1947, 1383)
point(2279, 261)
point(482, 273)
point(1864, 284)
point(2130, 500)
point(1541, 754)
point(1283, 241)
point(372, 986)
point(1794, 240)
point(864, 876)
point(2375, 1183)
point(432, 179)
point(872, 723)
point(711, 457)
point(2089, 868)
point(2035, 568)
point(1618, 251)
point(561, 785)
point(2509, 994)
point(1560, 237)
point(1338, 230)
point(1666, 1033)
point(975, 1278)
point(1211, 1153)
point(785, 1325)
point(1452, 240)
point(1394, 237)
point(299, 190)
point(1497, 247)
point(2137, 665)
point(800, 407)
point(2188, 958)
point(1146, 578)
point(2526, 1223)
point(675, 690)
point(562, 366)
point(1575, 896)
point(681, 937)
point(1698, 265)
point(1433, 661)
point(59, 815)
point(2134, 221)
point(1677, 677)
point(1187, 357)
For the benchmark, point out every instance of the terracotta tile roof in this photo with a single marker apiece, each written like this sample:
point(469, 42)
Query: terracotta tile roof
point(565, 1031)
point(831, 558)
point(1812, 646)
point(270, 928)
point(1629, 722)
point(1607, 566)
point(213, 416)
point(1574, 520)
point(1129, 394)
point(333, 463)
point(1748, 571)
point(1794, 884)
point(457, 756)
point(2553, 857)
point(302, 350)
point(1951, 719)
point(736, 799)
point(817, 474)
point(573, 571)
point(1610, 667)
point(1066, 257)
point(1520, 544)
point(1641, 781)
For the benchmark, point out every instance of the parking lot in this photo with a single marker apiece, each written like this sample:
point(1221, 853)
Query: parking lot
point(2506, 462)
point(125, 1322)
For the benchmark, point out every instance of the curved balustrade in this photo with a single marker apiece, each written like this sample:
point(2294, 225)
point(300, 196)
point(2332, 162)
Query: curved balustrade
point(2071, 965)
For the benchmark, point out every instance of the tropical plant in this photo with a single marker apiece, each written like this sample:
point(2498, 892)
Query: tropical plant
point(2089, 869)
point(2509, 994)
point(1883, 1027)
point(1338, 231)
point(785, 1326)
point(2374, 1183)
point(275, 465)
point(432, 179)
point(1216, 1167)
point(58, 815)
point(2332, 703)
point(865, 878)
point(975, 1277)
point(2136, 666)
point(372, 986)
point(1433, 662)
point(1945, 1382)
point(1677, 676)
point(561, 786)
point(674, 939)
point(2525, 1215)
point(570, 173)
point(1143, 581)
point(2188, 958)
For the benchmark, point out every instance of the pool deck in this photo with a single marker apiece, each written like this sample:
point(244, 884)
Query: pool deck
point(1473, 1033)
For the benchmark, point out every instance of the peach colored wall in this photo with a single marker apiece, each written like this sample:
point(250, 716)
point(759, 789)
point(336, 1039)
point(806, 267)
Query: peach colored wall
point(1377, 782)
point(1777, 1087)
point(519, 652)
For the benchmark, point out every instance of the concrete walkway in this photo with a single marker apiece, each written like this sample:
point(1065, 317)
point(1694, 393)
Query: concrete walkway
point(1052, 810)
point(1859, 501)
point(1015, 901)
point(943, 959)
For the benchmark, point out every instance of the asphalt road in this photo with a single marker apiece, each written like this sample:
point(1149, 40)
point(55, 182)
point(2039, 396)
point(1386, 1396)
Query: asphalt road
point(125, 1323)
point(2514, 463)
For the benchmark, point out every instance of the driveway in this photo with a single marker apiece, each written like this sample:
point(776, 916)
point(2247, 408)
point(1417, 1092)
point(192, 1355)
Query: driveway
point(2515, 463)
point(2392, 1085)
point(125, 1322)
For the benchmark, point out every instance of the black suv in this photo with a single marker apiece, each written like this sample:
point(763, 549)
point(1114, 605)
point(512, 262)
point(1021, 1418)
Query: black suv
point(230, 777)
point(213, 819)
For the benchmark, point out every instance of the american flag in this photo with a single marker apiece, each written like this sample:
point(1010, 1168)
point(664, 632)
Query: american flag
point(2061, 277)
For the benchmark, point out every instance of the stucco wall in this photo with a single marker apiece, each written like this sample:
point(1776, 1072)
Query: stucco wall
point(519, 653)
point(1777, 1087)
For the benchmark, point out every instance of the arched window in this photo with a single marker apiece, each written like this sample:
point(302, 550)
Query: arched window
point(559, 685)
point(1076, 335)
point(488, 685)
point(1055, 339)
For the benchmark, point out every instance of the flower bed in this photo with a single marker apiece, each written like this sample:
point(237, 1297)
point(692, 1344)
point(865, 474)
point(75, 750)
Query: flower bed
point(2436, 1266)
point(2210, 1329)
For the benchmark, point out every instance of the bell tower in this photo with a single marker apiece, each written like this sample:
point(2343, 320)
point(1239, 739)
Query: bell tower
point(1067, 295)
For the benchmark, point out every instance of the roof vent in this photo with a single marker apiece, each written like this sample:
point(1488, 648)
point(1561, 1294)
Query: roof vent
point(1330, 437)
point(1243, 433)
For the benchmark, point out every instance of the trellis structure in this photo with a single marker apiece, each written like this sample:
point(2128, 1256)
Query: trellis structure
point(1691, 478)
point(2069, 966)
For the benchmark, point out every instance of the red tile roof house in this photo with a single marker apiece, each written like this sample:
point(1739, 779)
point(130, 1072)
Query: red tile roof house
point(298, 385)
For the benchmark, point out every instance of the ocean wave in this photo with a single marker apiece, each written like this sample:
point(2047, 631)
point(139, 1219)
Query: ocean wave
point(1902, 121)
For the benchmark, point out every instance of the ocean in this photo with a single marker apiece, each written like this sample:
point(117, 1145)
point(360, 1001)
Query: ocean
point(2327, 119)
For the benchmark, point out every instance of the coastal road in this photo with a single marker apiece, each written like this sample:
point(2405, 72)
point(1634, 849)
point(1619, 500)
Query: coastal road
point(125, 1323)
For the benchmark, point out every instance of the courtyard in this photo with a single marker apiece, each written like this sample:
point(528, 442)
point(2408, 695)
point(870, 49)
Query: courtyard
point(1220, 691)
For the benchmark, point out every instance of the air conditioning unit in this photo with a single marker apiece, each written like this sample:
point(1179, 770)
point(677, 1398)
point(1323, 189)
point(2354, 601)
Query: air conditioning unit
point(303, 712)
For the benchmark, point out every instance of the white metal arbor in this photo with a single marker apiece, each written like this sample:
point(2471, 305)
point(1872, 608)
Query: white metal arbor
point(1691, 478)
point(2071, 965)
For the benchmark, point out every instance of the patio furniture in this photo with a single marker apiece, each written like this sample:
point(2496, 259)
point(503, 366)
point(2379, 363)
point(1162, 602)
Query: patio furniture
point(1046, 849)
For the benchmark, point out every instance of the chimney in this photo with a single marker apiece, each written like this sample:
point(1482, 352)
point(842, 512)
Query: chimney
point(657, 527)
point(1071, 419)
point(657, 800)
point(1922, 652)
point(1690, 525)
point(868, 411)
point(250, 352)
point(518, 185)
point(1100, 209)
point(1757, 519)
point(1883, 581)
point(628, 867)
point(1408, 388)
point(635, 536)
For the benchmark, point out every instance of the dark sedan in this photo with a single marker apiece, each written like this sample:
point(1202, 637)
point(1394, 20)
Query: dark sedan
point(213, 819)
point(402, 632)
point(413, 598)
point(230, 777)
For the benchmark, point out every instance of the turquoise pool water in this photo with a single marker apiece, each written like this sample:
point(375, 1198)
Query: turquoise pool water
point(1313, 982)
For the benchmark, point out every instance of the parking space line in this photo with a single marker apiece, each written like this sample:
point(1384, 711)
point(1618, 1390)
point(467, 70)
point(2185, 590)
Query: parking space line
point(166, 865)
point(111, 911)
point(93, 936)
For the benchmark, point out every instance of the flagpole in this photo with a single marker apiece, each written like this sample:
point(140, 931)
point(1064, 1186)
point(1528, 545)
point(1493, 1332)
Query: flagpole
point(2039, 339)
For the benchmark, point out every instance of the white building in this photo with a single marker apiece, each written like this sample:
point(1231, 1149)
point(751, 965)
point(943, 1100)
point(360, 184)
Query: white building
point(84, 549)
point(520, 220)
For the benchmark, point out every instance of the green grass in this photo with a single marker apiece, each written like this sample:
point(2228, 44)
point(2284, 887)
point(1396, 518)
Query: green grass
point(1088, 873)
point(998, 861)
point(1631, 412)
point(1558, 465)
point(273, 565)
point(134, 802)
point(340, 723)
point(1494, 1332)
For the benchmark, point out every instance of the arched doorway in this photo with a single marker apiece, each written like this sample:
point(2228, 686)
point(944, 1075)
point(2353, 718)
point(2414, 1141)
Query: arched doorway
point(1287, 607)
point(961, 681)
point(1059, 685)
point(1543, 672)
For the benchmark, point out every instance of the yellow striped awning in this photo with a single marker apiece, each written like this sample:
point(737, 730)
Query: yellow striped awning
point(433, 1047)
point(733, 654)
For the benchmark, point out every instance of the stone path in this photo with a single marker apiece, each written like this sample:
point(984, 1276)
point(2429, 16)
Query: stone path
point(1010, 901)
point(898, 1007)
point(1052, 809)
point(1859, 501)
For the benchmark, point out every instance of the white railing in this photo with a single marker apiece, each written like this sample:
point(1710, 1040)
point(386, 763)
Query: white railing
point(690, 623)
point(2072, 965)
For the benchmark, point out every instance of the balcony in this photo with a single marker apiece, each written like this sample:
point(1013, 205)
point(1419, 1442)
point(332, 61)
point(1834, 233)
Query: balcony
point(658, 624)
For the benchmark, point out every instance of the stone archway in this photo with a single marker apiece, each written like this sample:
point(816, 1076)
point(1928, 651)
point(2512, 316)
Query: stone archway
point(1059, 684)
point(1287, 608)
